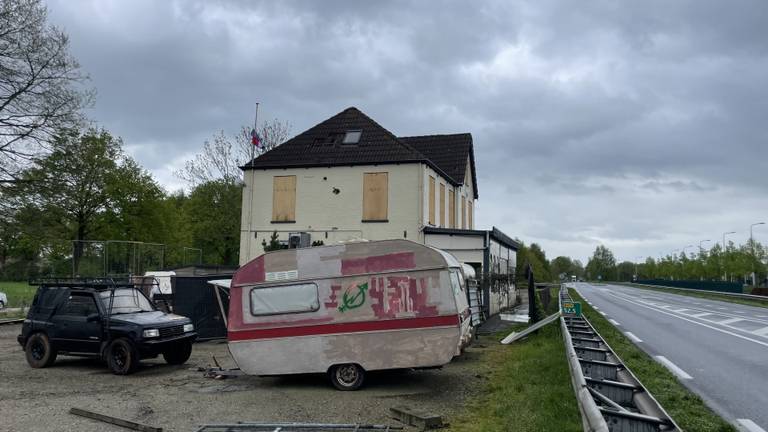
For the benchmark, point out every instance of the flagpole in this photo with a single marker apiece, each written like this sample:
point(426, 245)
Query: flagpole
point(253, 184)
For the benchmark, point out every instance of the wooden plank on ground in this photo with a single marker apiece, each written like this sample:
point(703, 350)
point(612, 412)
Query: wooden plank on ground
point(416, 417)
point(114, 420)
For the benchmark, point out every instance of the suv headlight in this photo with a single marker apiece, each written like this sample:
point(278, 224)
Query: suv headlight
point(189, 328)
point(151, 333)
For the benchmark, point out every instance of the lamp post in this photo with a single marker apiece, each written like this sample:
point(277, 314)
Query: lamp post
point(725, 252)
point(752, 245)
point(701, 257)
point(674, 259)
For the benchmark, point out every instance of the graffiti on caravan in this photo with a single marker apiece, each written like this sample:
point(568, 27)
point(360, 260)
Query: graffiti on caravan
point(390, 296)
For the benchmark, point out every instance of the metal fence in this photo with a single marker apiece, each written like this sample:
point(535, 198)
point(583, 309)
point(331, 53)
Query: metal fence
point(720, 286)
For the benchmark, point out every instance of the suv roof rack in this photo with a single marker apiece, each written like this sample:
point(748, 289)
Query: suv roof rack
point(95, 283)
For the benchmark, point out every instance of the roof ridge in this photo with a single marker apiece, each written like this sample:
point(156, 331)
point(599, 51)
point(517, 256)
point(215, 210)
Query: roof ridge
point(435, 135)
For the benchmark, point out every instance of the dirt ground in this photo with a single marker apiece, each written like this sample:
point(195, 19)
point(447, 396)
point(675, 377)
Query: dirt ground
point(179, 398)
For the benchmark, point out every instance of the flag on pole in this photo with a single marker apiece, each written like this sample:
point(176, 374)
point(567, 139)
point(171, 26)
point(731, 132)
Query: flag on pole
point(255, 139)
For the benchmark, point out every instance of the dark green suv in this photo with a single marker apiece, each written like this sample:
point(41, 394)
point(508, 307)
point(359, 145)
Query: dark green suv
point(105, 319)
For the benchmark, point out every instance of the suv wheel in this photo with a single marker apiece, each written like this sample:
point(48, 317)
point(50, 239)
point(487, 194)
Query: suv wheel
point(39, 351)
point(348, 376)
point(122, 357)
point(178, 353)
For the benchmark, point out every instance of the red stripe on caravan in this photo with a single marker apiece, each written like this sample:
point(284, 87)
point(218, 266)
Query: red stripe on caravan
point(353, 327)
point(379, 263)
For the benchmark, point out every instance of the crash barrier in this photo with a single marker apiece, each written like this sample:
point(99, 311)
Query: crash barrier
point(293, 427)
point(11, 321)
point(719, 286)
point(729, 294)
point(609, 396)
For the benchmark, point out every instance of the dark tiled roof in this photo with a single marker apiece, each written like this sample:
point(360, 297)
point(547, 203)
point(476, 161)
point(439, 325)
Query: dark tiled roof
point(321, 145)
point(449, 152)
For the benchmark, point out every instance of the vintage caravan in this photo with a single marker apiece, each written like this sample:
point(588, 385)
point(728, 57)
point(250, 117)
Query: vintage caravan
point(347, 309)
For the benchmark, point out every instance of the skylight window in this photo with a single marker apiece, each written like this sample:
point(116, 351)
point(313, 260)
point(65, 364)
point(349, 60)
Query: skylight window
point(352, 137)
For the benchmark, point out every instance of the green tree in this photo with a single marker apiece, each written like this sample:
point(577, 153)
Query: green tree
point(602, 264)
point(562, 267)
point(213, 212)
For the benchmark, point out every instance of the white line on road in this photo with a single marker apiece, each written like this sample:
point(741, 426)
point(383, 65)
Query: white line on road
point(673, 368)
point(695, 322)
point(632, 337)
point(749, 425)
point(601, 313)
point(731, 321)
point(614, 322)
point(761, 332)
point(699, 315)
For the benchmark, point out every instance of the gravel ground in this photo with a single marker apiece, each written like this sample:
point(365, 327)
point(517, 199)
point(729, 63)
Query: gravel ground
point(179, 398)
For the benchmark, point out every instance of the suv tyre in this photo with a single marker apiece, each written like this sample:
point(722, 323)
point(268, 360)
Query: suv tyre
point(122, 357)
point(178, 353)
point(39, 351)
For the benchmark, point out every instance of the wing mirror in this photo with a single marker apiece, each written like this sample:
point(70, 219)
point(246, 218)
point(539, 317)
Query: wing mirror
point(93, 317)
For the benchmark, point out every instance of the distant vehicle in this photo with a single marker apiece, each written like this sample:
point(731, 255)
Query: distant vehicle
point(348, 309)
point(573, 278)
point(101, 318)
point(3, 300)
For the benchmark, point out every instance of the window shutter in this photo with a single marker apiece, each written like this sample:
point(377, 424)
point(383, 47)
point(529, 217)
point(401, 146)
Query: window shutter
point(431, 200)
point(442, 205)
point(463, 213)
point(375, 196)
point(284, 199)
point(452, 209)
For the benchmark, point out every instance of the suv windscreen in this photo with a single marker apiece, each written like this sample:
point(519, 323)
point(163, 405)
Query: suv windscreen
point(126, 300)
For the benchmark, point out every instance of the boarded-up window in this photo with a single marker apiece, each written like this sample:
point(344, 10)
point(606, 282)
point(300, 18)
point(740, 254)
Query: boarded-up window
point(431, 200)
point(469, 213)
point(375, 196)
point(284, 199)
point(452, 209)
point(442, 205)
point(463, 213)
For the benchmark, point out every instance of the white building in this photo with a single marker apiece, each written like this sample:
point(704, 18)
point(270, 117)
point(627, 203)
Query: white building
point(349, 178)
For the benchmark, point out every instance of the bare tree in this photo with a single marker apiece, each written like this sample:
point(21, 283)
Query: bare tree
point(222, 156)
point(40, 85)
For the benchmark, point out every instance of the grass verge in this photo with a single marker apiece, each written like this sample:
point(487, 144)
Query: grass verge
point(19, 293)
point(528, 387)
point(688, 410)
point(704, 295)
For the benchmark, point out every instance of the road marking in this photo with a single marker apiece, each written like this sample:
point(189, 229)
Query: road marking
point(761, 316)
point(761, 332)
point(699, 315)
point(695, 322)
point(730, 321)
point(722, 308)
point(673, 368)
point(614, 322)
point(632, 337)
point(749, 425)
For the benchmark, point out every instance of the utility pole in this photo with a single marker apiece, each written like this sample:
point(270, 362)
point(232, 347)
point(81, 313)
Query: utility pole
point(725, 254)
point(752, 245)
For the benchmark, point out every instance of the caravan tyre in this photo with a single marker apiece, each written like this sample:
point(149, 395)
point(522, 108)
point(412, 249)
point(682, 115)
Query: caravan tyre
point(346, 377)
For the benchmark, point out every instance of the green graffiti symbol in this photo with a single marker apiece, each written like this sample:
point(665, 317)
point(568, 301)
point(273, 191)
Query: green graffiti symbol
point(354, 301)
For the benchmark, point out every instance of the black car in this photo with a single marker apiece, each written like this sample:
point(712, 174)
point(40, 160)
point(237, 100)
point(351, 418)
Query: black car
point(112, 321)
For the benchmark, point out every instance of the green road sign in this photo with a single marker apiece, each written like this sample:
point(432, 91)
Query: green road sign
point(572, 308)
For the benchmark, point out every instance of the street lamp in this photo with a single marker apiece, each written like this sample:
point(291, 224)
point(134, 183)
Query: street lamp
point(725, 250)
point(674, 260)
point(752, 244)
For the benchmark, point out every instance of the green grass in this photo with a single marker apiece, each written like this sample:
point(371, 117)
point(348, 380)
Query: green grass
point(704, 295)
point(19, 293)
point(687, 409)
point(528, 387)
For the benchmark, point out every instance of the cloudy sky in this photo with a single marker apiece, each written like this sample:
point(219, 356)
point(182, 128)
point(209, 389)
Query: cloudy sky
point(638, 125)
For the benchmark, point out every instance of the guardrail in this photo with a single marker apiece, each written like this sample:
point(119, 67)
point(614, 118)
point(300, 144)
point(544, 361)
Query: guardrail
point(609, 396)
point(729, 294)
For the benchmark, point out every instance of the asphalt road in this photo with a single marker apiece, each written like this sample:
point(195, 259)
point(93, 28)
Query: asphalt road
point(717, 349)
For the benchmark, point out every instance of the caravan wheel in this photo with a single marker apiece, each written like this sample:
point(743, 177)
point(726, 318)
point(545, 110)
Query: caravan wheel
point(347, 376)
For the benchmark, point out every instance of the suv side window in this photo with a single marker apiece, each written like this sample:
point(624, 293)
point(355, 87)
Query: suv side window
point(79, 305)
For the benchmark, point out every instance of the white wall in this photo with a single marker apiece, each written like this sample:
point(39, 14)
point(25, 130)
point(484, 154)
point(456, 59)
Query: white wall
point(319, 210)
point(465, 190)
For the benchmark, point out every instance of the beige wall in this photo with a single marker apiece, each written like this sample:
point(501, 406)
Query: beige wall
point(319, 210)
point(466, 191)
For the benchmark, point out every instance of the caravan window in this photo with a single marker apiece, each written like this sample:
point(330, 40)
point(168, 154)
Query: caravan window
point(455, 283)
point(284, 299)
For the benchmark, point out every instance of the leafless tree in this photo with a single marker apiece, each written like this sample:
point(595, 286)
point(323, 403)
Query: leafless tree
point(41, 85)
point(222, 155)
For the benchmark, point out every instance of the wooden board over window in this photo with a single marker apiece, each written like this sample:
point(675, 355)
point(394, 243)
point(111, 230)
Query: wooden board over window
point(452, 209)
point(442, 205)
point(431, 200)
point(375, 196)
point(284, 199)
point(469, 213)
point(463, 213)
